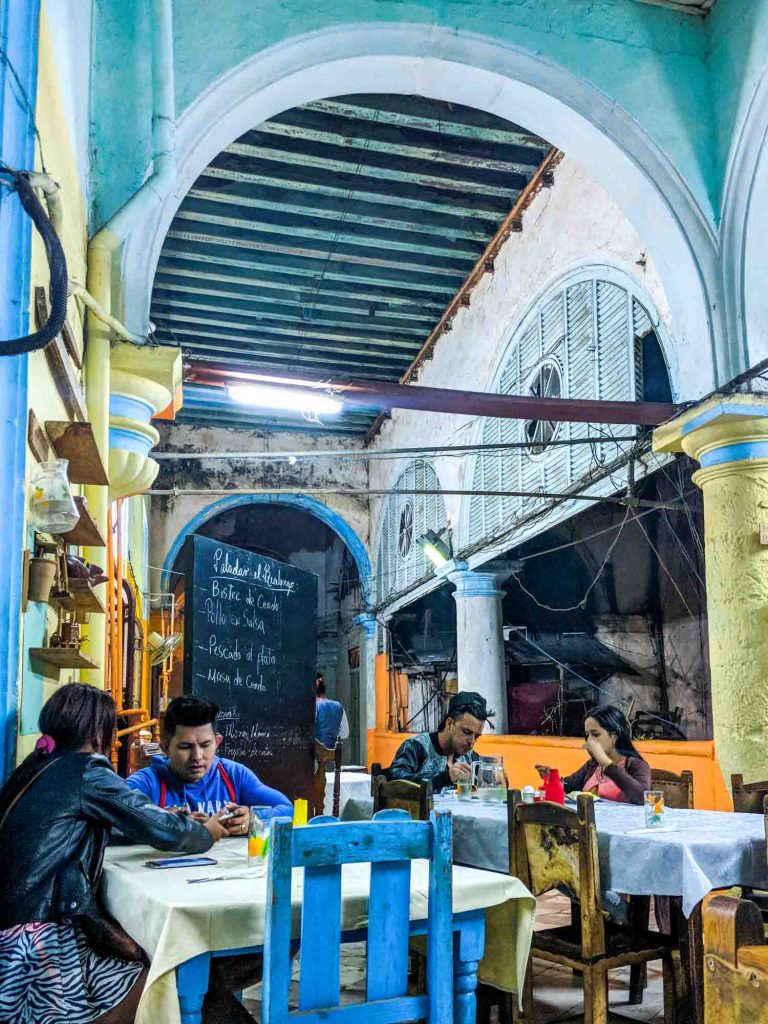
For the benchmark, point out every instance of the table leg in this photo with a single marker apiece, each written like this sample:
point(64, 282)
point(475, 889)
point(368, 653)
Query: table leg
point(468, 948)
point(689, 934)
point(192, 985)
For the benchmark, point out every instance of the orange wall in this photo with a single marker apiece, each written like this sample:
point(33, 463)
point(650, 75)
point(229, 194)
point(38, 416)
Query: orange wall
point(521, 753)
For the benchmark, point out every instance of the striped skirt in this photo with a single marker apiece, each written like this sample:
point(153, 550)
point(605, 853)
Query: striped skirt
point(50, 975)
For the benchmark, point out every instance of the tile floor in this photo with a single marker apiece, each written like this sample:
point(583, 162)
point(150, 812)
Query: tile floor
point(557, 991)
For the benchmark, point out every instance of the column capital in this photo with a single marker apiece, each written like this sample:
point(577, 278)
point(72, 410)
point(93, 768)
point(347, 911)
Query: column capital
point(368, 622)
point(725, 434)
point(469, 583)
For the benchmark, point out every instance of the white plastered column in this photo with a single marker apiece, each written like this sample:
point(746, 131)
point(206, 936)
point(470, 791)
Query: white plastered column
point(480, 637)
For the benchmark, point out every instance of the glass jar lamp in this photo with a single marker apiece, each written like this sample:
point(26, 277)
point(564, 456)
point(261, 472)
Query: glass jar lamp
point(52, 508)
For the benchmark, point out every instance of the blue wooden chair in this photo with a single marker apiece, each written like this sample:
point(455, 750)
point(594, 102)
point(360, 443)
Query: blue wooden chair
point(455, 942)
point(389, 842)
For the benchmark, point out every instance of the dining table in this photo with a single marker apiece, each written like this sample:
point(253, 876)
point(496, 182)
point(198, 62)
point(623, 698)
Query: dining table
point(692, 853)
point(352, 785)
point(182, 922)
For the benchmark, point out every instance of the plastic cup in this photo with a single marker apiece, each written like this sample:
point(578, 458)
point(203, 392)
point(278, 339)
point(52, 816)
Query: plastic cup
point(258, 837)
point(653, 805)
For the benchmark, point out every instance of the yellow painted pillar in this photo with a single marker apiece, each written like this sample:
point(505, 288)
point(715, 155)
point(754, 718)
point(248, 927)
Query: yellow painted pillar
point(728, 437)
point(97, 360)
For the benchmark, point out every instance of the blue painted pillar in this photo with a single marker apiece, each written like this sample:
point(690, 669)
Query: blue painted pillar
point(367, 623)
point(19, 41)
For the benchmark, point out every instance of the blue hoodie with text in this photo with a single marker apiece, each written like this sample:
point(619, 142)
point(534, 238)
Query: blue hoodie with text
point(211, 793)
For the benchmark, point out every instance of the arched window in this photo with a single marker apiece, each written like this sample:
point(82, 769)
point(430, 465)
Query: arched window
point(588, 339)
point(407, 516)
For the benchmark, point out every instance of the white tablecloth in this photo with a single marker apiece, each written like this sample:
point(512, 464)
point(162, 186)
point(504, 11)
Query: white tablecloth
point(174, 921)
point(353, 785)
point(707, 850)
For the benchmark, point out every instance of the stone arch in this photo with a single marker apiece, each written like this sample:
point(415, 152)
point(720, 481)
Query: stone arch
point(305, 503)
point(745, 200)
point(500, 79)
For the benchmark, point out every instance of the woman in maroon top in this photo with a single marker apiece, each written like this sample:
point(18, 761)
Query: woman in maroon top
point(615, 770)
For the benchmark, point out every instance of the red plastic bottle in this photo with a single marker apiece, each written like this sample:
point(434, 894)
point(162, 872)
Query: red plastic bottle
point(553, 787)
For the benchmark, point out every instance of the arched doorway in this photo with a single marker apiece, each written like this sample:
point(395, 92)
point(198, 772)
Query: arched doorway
point(300, 531)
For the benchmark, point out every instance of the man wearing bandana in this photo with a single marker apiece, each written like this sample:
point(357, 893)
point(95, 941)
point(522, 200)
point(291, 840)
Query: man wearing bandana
point(445, 757)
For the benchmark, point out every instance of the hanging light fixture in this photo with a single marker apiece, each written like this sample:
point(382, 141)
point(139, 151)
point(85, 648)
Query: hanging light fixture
point(290, 399)
point(435, 548)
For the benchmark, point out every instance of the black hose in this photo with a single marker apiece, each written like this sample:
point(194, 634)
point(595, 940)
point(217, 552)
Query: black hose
point(58, 273)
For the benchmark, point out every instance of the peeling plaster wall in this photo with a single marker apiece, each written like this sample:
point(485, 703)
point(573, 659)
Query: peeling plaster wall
point(170, 514)
point(574, 223)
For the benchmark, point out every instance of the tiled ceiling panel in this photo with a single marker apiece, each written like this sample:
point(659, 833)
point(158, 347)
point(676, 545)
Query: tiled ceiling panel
point(329, 240)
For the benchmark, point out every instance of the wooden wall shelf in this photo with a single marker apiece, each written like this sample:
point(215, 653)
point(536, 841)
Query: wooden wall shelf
point(75, 442)
point(80, 598)
point(86, 533)
point(49, 661)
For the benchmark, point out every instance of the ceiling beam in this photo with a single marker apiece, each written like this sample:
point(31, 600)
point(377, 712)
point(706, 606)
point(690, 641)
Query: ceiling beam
point(385, 395)
point(286, 303)
point(229, 219)
point(307, 153)
point(252, 174)
point(421, 112)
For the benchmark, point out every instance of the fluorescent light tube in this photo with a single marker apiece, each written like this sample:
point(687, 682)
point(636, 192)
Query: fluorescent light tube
point(290, 399)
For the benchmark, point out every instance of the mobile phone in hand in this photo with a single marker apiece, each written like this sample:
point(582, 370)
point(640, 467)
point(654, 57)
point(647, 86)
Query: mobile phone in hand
point(179, 862)
point(227, 816)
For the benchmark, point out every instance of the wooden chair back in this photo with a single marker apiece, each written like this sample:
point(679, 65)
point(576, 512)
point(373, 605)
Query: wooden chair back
point(557, 847)
point(514, 797)
point(736, 959)
point(677, 789)
point(389, 843)
point(399, 794)
point(324, 756)
point(748, 798)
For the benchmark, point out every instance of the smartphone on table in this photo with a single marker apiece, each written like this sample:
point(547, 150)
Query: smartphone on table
point(180, 862)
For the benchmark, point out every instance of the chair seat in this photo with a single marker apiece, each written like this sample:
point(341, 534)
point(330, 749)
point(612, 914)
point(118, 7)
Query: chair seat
point(565, 943)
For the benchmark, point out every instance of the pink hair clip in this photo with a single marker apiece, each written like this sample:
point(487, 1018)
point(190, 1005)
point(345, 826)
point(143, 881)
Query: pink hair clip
point(46, 744)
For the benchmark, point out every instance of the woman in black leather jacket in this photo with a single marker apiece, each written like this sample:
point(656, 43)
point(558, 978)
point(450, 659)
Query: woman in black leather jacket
point(61, 960)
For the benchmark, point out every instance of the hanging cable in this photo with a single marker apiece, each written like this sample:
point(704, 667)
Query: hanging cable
point(57, 264)
point(583, 602)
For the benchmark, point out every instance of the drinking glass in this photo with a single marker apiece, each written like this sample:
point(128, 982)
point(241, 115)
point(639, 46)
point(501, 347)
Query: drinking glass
point(653, 803)
point(464, 789)
point(258, 837)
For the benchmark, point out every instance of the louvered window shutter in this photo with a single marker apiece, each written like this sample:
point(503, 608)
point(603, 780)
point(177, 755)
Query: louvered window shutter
point(589, 332)
point(397, 570)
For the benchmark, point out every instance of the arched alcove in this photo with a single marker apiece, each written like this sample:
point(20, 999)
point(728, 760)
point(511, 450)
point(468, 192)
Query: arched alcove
point(300, 531)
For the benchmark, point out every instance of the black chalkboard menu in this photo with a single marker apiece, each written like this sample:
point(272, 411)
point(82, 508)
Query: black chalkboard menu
point(250, 645)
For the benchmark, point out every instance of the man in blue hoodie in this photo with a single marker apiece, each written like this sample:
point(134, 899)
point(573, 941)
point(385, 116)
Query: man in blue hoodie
point(191, 777)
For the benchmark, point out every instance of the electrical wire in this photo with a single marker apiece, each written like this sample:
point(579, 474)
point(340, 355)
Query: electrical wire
point(591, 682)
point(57, 264)
point(582, 603)
point(663, 564)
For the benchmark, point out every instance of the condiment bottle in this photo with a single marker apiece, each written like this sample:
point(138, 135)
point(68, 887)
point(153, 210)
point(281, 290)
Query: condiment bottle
point(553, 787)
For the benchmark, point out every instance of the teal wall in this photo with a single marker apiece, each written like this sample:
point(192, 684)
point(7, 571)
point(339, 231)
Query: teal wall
point(738, 39)
point(652, 62)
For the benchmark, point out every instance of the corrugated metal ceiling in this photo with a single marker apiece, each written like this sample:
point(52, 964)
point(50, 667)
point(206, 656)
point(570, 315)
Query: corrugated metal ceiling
point(330, 239)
